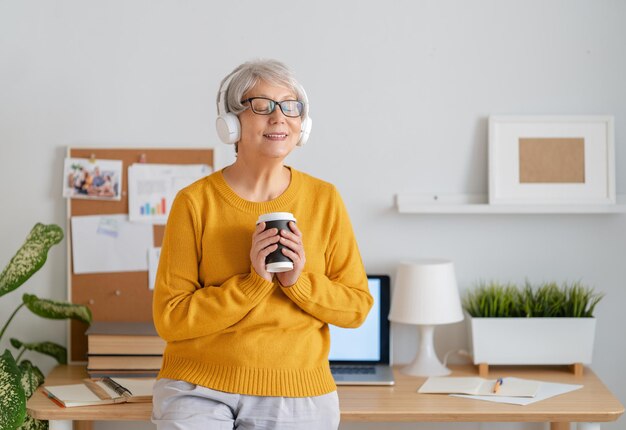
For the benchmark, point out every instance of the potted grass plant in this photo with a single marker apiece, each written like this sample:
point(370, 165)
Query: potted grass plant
point(19, 377)
point(543, 324)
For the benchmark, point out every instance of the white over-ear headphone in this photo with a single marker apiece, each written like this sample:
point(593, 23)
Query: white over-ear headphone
point(229, 127)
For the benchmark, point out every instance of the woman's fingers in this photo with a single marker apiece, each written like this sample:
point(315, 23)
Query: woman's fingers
point(293, 256)
point(264, 239)
point(263, 243)
point(295, 235)
point(292, 240)
point(294, 250)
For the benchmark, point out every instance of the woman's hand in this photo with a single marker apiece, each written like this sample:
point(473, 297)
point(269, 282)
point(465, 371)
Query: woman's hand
point(263, 242)
point(294, 249)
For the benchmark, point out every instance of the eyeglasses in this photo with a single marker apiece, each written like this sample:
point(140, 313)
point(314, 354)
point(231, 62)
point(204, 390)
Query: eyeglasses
point(265, 106)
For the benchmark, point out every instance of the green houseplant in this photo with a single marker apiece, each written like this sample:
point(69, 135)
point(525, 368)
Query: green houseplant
point(547, 300)
point(542, 324)
point(19, 377)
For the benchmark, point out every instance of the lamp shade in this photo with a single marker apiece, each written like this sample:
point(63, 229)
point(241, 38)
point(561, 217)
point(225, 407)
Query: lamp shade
point(426, 293)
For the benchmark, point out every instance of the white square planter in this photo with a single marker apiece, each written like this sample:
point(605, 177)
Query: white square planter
point(531, 340)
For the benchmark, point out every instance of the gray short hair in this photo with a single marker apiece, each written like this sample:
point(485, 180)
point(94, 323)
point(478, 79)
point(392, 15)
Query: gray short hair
point(248, 74)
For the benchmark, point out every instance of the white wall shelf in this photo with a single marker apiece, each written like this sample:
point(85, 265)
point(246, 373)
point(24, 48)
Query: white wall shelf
point(478, 204)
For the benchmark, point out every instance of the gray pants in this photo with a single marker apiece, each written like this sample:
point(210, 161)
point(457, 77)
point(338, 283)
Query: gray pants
point(179, 405)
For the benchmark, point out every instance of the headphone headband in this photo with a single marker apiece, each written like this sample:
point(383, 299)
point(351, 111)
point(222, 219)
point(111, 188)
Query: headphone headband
point(221, 95)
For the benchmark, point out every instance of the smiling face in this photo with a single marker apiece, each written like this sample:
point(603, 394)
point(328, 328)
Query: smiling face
point(269, 136)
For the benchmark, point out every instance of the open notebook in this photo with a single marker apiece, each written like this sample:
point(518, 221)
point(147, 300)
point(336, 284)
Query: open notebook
point(510, 387)
point(102, 391)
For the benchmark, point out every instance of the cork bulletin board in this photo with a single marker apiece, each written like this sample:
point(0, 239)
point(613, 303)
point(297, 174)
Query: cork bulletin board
point(122, 296)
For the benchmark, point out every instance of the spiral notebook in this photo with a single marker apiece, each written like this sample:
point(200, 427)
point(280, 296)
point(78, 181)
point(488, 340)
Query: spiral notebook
point(102, 391)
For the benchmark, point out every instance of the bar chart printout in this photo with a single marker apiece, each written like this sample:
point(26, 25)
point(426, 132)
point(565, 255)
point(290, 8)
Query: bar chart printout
point(153, 187)
point(158, 208)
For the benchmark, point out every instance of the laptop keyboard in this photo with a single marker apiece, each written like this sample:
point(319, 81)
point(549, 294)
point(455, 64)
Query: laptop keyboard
point(352, 370)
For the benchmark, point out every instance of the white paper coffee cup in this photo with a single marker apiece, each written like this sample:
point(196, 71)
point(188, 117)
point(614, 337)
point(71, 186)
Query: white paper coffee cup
point(276, 261)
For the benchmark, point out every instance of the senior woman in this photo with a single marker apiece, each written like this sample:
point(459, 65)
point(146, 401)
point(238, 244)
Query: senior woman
point(247, 348)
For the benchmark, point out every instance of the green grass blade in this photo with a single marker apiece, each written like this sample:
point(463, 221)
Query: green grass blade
point(547, 300)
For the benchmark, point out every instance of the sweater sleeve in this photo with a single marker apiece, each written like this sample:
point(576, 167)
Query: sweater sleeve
point(184, 309)
point(341, 295)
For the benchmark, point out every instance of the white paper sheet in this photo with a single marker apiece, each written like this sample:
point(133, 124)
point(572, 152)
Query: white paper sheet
point(153, 264)
point(152, 188)
point(109, 243)
point(511, 387)
point(546, 390)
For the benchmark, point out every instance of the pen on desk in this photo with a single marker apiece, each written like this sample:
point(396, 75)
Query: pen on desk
point(497, 385)
point(119, 389)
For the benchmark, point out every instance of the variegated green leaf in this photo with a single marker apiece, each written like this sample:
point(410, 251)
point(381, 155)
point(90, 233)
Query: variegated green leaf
point(56, 310)
point(32, 377)
point(54, 350)
point(12, 399)
point(33, 424)
point(30, 257)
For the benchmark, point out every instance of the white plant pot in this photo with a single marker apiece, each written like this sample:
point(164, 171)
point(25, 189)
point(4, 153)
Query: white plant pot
point(531, 340)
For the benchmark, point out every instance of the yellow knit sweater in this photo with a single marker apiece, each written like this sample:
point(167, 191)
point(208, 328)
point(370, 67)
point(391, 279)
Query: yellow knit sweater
point(229, 329)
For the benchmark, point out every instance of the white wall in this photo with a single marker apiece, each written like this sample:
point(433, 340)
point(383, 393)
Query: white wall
point(399, 90)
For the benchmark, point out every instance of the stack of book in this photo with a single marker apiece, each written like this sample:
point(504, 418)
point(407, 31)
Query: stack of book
point(123, 349)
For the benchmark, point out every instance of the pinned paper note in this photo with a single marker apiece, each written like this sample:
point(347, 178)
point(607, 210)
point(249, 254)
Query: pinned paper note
point(109, 243)
point(152, 188)
point(108, 226)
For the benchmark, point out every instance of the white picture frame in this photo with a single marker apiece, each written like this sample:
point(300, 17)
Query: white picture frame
point(571, 161)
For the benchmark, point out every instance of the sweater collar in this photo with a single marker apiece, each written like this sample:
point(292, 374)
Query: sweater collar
point(279, 204)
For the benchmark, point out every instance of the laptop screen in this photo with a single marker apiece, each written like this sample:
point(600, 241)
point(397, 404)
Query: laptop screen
point(369, 343)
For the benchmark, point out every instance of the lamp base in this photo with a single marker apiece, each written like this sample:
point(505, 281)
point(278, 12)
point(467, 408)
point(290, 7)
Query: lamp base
point(426, 362)
point(425, 368)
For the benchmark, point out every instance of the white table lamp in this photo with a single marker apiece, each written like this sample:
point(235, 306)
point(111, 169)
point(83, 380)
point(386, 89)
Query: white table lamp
point(426, 294)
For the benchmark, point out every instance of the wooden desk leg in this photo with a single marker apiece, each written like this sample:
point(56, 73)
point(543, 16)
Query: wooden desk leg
point(83, 425)
point(483, 370)
point(559, 426)
point(577, 369)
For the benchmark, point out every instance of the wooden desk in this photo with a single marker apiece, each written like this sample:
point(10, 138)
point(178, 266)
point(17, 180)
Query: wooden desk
point(589, 406)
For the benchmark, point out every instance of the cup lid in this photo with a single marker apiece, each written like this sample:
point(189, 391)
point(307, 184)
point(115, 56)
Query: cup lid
point(276, 216)
point(279, 266)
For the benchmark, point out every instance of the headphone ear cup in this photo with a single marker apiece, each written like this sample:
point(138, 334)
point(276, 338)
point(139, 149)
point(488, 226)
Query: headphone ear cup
point(305, 131)
point(228, 128)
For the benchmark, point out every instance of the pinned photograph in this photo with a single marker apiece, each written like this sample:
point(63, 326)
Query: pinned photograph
point(86, 178)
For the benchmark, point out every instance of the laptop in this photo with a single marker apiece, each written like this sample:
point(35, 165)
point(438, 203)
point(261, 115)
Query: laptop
point(360, 356)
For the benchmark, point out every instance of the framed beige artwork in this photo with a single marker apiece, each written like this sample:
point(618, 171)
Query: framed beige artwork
point(551, 160)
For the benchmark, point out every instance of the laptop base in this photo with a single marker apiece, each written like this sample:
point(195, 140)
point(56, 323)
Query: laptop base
point(383, 375)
